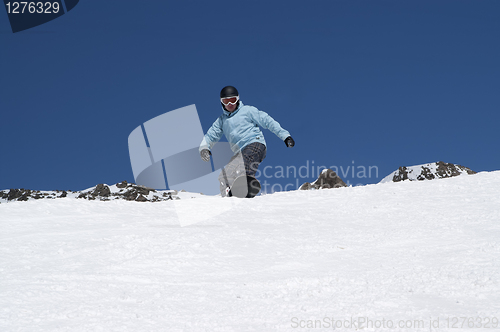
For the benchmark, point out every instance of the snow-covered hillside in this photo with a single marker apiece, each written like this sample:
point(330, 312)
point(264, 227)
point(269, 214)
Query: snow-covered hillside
point(421, 255)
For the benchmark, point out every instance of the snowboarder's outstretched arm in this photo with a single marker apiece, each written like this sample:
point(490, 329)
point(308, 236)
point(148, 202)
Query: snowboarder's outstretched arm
point(213, 135)
point(266, 121)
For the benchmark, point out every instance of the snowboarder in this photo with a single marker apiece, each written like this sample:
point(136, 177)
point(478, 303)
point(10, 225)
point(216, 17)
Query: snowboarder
point(240, 124)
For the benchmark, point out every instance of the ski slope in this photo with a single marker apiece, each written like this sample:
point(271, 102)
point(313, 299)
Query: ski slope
point(414, 256)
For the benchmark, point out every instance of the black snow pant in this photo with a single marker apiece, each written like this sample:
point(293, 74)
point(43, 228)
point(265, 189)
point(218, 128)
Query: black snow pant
point(246, 161)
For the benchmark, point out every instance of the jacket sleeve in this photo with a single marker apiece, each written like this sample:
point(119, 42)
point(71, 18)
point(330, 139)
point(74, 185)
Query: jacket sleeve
point(267, 122)
point(212, 136)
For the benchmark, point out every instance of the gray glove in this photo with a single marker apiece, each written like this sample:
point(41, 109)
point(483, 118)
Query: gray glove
point(205, 155)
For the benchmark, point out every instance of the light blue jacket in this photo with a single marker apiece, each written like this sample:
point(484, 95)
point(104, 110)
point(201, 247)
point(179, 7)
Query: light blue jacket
point(241, 128)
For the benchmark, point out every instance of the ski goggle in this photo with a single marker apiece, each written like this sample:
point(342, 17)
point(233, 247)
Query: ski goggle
point(230, 100)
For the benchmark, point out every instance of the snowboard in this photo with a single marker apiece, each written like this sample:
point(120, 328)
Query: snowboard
point(244, 186)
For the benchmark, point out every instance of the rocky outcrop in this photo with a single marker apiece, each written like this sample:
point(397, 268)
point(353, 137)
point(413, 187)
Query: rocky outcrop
point(27, 194)
point(123, 190)
point(438, 170)
point(326, 180)
point(128, 192)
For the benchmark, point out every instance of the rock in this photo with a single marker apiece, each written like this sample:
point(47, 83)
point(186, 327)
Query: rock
point(144, 190)
point(25, 196)
point(445, 170)
point(18, 194)
point(305, 186)
point(14, 194)
point(168, 195)
point(122, 185)
point(326, 180)
point(401, 174)
point(130, 195)
point(432, 171)
point(101, 190)
point(329, 179)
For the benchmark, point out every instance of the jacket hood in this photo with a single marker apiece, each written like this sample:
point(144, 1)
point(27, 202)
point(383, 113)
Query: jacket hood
point(229, 114)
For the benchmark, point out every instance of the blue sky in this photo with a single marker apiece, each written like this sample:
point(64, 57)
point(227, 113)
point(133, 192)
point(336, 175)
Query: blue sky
point(357, 83)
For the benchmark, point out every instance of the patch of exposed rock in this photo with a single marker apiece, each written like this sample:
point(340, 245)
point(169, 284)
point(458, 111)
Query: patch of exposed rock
point(438, 170)
point(102, 192)
point(326, 180)
point(27, 194)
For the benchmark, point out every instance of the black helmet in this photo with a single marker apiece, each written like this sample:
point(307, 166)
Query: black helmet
point(228, 91)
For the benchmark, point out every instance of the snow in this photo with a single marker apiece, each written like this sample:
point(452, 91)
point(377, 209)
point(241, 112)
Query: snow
point(405, 253)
